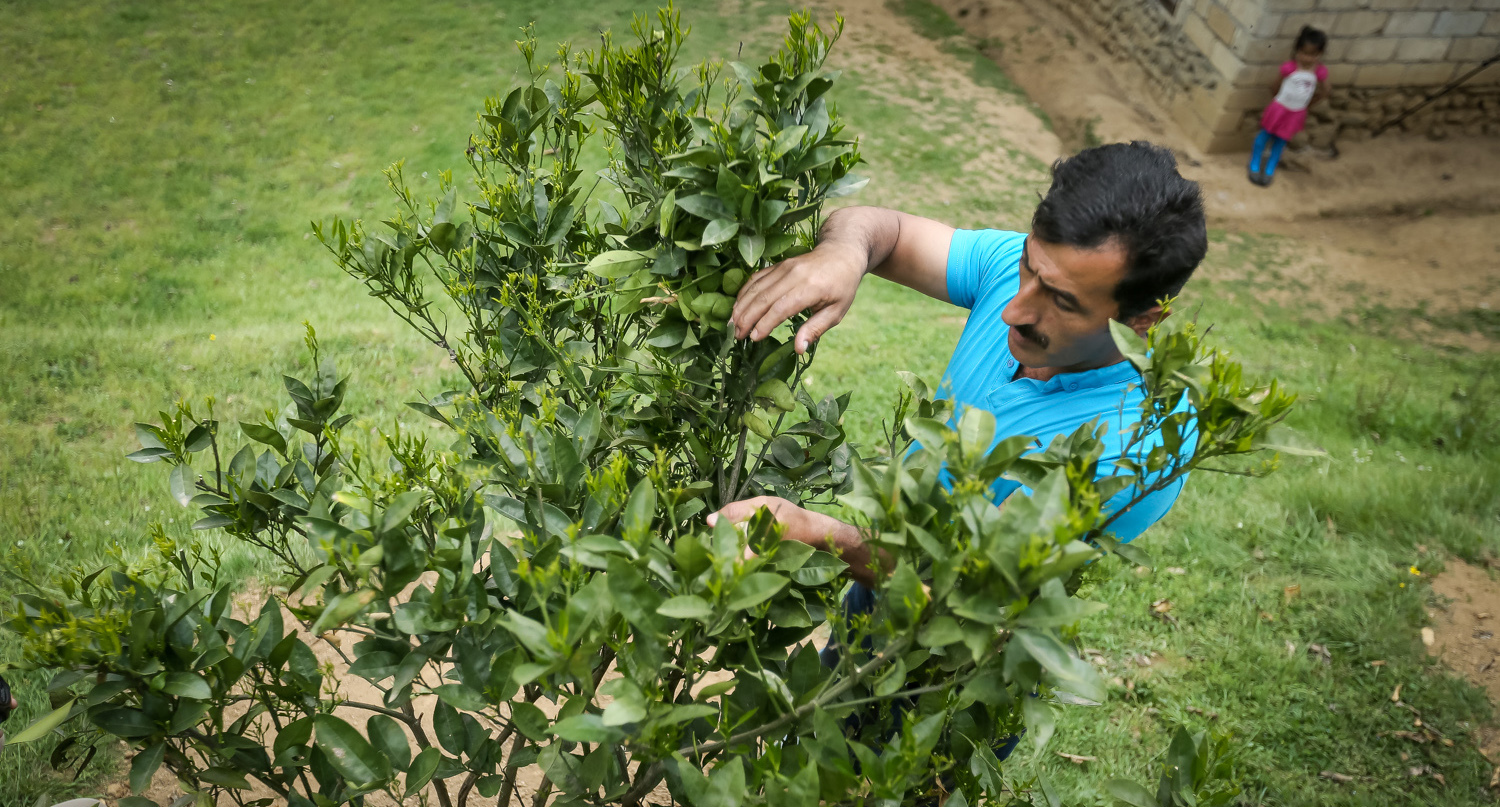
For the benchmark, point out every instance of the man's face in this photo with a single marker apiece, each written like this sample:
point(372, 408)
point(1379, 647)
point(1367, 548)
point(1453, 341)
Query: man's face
point(1060, 316)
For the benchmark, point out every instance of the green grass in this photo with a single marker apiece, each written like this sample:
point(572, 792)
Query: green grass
point(153, 246)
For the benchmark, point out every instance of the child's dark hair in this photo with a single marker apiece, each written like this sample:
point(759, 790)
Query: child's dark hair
point(1310, 36)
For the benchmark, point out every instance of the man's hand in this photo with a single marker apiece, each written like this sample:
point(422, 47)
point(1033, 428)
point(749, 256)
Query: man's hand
point(909, 250)
point(823, 281)
point(814, 529)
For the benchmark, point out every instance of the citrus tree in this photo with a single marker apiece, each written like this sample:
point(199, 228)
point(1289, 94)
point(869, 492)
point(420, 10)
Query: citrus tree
point(531, 607)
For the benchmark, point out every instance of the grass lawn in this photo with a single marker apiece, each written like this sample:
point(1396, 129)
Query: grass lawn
point(159, 165)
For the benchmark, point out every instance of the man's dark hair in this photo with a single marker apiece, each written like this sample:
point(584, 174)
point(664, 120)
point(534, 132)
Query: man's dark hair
point(1130, 192)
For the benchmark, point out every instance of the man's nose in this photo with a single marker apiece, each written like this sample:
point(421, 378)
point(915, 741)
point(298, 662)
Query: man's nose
point(1020, 310)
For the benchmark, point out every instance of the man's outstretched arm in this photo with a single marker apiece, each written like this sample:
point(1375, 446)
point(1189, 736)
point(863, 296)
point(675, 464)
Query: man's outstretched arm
point(814, 529)
point(906, 249)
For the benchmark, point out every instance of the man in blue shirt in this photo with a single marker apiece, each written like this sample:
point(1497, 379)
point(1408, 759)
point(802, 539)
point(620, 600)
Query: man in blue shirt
point(1118, 231)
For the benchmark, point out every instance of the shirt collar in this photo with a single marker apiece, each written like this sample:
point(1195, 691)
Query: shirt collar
point(1120, 373)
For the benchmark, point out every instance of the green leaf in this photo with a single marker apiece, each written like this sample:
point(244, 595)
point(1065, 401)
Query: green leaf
point(349, 752)
point(755, 589)
point(904, 595)
point(144, 766)
point(342, 608)
point(400, 509)
point(265, 434)
point(586, 728)
point(181, 482)
point(932, 434)
point(423, 766)
point(892, 680)
point(718, 231)
point(460, 697)
point(846, 185)
point(295, 733)
point(616, 263)
point(187, 685)
point(1182, 755)
point(682, 714)
point(940, 632)
point(976, 430)
point(387, 737)
point(1040, 721)
point(1128, 792)
point(448, 726)
point(224, 777)
point(1075, 673)
point(751, 248)
point(668, 214)
point(1056, 612)
point(1134, 554)
point(705, 206)
point(822, 567)
point(686, 606)
point(629, 706)
point(530, 720)
point(640, 509)
point(791, 555)
point(988, 689)
point(785, 140)
point(1130, 345)
point(125, 722)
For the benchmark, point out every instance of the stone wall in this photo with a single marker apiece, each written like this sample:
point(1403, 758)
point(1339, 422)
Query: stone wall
point(1145, 32)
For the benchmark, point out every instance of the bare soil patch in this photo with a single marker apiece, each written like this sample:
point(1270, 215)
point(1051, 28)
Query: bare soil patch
point(1464, 631)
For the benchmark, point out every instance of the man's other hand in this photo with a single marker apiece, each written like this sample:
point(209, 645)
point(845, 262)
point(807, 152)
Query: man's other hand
point(823, 281)
point(799, 524)
point(814, 529)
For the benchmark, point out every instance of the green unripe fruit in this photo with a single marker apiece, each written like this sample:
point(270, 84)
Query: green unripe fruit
point(704, 305)
point(733, 280)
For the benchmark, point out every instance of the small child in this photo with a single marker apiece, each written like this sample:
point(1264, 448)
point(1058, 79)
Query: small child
point(1303, 82)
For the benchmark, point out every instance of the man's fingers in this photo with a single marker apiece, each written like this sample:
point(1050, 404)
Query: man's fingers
point(743, 509)
point(819, 324)
point(774, 292)
point(753, 299)
point(785, 307)
point(735, 512)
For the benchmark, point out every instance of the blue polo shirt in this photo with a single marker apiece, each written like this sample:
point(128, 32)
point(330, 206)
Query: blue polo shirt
point(983, 276)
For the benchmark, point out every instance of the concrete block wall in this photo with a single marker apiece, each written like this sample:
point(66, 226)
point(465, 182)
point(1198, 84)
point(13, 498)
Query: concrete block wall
point(1214, 62)
point(1378, 50)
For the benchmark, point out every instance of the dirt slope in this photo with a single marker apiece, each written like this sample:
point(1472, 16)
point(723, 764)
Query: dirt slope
point(1398, 220)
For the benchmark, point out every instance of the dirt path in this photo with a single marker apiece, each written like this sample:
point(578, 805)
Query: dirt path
point(1464, 627)
point(1398, 221)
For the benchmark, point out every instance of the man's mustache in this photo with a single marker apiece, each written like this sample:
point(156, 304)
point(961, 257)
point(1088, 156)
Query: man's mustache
point(1031, 334)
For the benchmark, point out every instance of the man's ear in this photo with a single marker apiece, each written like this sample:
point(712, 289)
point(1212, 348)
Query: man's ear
point(1142, 322)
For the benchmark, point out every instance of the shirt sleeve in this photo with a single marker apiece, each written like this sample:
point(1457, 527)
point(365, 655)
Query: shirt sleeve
point(979, 261)
point(1288, 68)
point(1322, 74)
